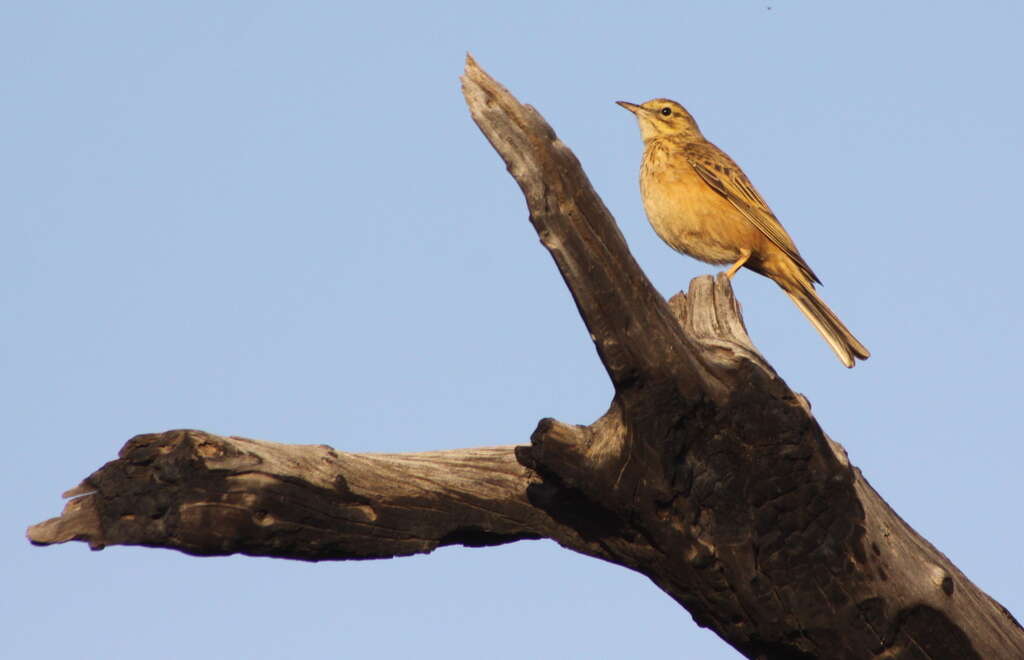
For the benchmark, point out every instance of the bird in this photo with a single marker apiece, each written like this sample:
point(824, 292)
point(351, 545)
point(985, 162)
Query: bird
point(700, 202)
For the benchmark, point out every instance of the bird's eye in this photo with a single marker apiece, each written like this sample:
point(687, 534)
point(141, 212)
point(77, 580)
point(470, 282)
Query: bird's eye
point(666, 111)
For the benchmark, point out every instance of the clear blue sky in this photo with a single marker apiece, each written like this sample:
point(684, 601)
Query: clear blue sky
point(276, 219)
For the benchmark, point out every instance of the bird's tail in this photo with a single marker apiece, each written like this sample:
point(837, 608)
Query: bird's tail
point(838, 336)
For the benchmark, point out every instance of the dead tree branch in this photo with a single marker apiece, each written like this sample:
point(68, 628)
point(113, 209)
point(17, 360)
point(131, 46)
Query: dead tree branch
point(707, 473)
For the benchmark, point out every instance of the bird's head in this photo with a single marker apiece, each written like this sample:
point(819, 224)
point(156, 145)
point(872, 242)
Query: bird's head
point(662, 118)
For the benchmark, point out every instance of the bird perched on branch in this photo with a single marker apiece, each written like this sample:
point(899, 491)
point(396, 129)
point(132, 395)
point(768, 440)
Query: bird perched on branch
point(702, 204)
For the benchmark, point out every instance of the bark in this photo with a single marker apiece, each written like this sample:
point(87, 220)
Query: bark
point(707, 473)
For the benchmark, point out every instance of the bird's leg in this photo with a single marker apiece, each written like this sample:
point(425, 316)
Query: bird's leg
point(744, 255)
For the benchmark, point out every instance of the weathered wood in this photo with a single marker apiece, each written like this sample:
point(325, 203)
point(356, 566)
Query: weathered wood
point(707, 473)
point(212, 495)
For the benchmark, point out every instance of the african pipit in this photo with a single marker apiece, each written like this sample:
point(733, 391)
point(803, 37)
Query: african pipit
point(702, 204)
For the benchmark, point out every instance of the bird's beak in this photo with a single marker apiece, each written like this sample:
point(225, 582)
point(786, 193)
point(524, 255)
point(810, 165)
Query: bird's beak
point(632, 107)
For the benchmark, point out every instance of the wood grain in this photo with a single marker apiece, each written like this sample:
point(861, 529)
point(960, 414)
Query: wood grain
point(707, 473)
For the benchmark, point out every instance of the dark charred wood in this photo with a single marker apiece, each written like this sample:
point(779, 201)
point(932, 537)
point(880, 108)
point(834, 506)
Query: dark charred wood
point(707, 474)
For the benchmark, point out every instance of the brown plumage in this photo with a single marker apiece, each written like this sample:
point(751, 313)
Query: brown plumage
point(702, 204)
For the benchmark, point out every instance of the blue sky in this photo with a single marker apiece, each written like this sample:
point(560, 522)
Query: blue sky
point(277, 220)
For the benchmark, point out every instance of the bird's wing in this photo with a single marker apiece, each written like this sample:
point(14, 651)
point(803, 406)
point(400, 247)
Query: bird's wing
point(729, 181)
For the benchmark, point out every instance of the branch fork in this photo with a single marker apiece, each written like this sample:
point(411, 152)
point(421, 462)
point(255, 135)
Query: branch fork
point(707, 473)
